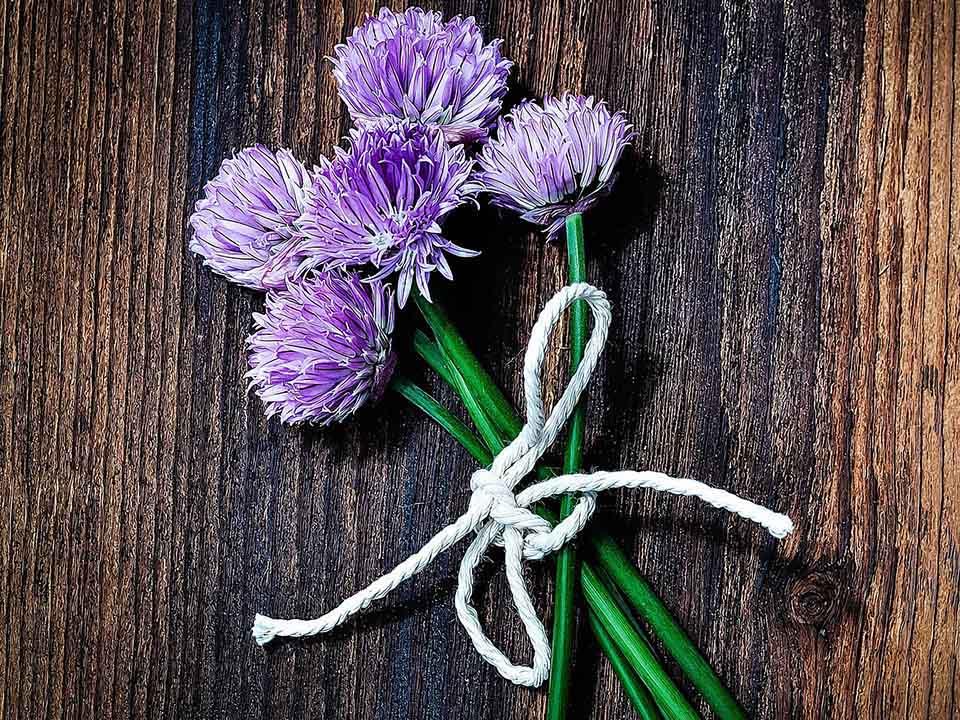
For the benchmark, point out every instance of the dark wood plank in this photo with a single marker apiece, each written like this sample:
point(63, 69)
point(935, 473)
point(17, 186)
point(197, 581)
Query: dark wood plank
point(782, 254)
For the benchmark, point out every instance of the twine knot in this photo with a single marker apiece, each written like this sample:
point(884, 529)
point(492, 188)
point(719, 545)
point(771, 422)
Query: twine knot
point(501, 516)
point(539, 538)
point(490, 488)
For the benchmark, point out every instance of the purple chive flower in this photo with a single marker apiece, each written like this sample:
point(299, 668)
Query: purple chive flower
point(322, 348)
point(380, 203)
point(247, 213)
point(414, 66)
point(550, 161)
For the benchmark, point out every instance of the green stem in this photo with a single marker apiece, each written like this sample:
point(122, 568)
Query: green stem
point(577, 273)
point(487, 431)
point(617, 596)
point(651, 608)
point(498, 408)
point(432, 355)
point(564, 598)
point(639, 697)
point(447, 420)
point(637, 653)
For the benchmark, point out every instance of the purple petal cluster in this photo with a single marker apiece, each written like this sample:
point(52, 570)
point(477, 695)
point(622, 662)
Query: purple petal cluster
point(380, 203)
point(247, 212)
point(418, 89)
point(552, 160)
point(322, 348)
point(414, 66)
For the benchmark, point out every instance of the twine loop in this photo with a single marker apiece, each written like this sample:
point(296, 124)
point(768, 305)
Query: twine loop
point(501, 516)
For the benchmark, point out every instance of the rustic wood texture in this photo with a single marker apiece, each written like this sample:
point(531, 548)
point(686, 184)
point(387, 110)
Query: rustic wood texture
point(783, 255)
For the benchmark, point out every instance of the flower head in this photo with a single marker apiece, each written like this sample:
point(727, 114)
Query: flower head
point(380, 202)
point(322, 348)
point(412, 65)
point(247, 212)
point(552, 160)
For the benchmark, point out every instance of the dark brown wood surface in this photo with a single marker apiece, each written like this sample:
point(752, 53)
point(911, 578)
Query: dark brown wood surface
point(782, 253)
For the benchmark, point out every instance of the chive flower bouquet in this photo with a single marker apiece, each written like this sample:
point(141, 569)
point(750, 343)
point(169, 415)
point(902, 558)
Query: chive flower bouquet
point(341, 247)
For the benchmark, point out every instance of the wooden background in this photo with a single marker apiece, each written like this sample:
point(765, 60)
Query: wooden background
point(783, 257)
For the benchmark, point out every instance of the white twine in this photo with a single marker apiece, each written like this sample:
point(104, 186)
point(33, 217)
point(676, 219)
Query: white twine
point(501, 517)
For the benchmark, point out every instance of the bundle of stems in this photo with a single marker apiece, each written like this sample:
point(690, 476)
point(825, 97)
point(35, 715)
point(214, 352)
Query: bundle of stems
point(620, 602)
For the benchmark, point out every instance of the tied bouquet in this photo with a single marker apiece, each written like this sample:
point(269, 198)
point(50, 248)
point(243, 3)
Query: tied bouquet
point(342, 247)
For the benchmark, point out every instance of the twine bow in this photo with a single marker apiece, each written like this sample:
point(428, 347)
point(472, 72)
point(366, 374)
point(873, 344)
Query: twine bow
point(499, 516)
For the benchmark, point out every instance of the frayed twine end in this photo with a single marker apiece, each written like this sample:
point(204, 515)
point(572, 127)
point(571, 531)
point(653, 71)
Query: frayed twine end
point(264, 629)
point(780, 526)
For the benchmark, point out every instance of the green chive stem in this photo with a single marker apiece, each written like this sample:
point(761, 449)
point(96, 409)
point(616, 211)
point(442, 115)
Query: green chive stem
point(650, 607)
point(421, 399)
point(498, 408)
point(564, 597)
point(637, 653)
point(639, 697)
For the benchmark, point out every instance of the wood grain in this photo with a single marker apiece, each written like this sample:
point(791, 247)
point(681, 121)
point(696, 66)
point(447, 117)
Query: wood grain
point(782, 252)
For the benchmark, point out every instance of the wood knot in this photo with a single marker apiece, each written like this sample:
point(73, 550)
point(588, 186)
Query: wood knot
point(815, 598)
